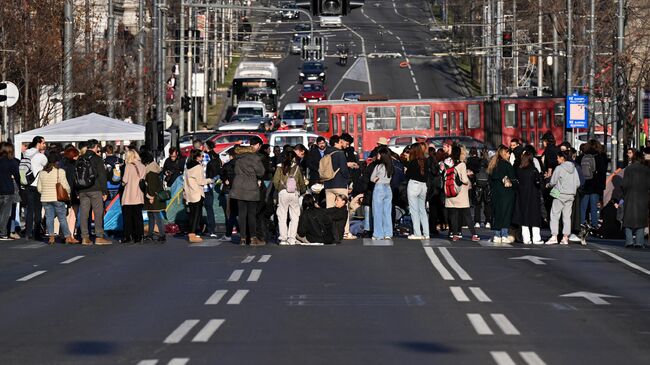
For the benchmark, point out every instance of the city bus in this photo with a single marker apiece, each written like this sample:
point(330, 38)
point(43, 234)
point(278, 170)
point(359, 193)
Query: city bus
point(257, 81)
point(490, 120)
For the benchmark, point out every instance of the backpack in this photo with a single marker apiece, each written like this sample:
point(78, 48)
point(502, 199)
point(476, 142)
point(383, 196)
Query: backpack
point(26, 174)
point(588, 166)
point(85, 173)
point(291, 184)
point(452, 182)
point(399, 176)
point(325, 168)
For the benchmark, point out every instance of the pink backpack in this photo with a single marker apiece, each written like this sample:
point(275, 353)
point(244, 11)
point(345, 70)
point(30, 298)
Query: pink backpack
point(291, 184)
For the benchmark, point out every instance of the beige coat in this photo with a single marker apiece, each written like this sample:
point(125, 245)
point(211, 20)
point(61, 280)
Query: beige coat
point(46, 184)
point(132, 194)
point(193, 183)
point(462, 199)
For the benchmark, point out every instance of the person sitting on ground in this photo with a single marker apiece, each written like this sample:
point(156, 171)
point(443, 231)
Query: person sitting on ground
point(315, 225)
point(339, 215)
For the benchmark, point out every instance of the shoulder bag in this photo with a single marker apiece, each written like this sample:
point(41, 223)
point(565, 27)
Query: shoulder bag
point(61, 194)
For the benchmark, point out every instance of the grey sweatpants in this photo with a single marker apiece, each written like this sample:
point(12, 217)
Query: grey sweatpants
point(564, 206)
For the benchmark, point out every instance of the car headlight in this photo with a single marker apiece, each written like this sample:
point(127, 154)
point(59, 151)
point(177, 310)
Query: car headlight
point(321, 74)
point(302, 74)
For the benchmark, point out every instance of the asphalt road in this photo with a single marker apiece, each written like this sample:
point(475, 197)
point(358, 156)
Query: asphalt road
point(415, 302)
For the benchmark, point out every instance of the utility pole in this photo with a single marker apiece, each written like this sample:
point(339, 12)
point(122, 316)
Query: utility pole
point(190, 61)
point(515, 53)
point(206, 64)
point(181, 73)
point(110, 94)
point(222, 50)
point(141, 62)
point(556, 59)
point(488, 31)
point(499, 61)
point(569, 56)
point(67, 60)
point(540, 54)
point(162, 53)
point(592, 70)
point(619, 81)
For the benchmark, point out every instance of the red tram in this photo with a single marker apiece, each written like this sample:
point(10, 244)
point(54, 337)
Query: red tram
point(491, 120)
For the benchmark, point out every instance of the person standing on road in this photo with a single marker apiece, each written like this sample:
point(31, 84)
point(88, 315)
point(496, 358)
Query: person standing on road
point(564, 185)
point(31, 165)
point(70, 156)
point(290, 184)
point(132, 198)
point(9, 177)
point(417, 173)
point(152, 203)
point(173, 167)
point(93, 195)
point(593, 164)
point(193, 192)
point(527, 213)
point(316, 152)
point(458, 206)
point(212, 166)
point(339, 184)
point(382, 195)
point(228, 204)
point(502, 181)
point(636, 189)
point(48, 179)
point(246, 189)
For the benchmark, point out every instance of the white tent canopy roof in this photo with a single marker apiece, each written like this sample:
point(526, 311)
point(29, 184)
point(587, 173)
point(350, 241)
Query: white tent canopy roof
point(90, 126)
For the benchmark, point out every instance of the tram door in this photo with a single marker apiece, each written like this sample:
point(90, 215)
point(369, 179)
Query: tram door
point(534, 123)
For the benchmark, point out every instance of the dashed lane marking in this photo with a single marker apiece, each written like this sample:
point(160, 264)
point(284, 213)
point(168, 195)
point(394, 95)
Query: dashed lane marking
point(30, 245)
point(454, 265)
point(459, 294)
point(531, 358)
point(32, 275)
point(502, 358)
point(264, 258)
point(216, 297)
point(208, 330)
point(479, 294)
point(148, 362)
point(181, 331)
point(626, 262)
point(178, 361)
point(248, 259)
point(254, 275)
point(236, 275)
point(291, 88)
point(504, 324)
point(480, 326)
point(238, 297)
point(71, 260)
point(437, 264)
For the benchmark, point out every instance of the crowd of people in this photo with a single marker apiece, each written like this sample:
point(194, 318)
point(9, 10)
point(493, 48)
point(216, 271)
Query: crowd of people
point(325, 194)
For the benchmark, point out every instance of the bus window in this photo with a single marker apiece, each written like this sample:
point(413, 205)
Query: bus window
point(445, 126)
point(415, 117)
point(461, 120)
point(436, 121)
point(540, 119)
point(474, 116)
point(453, 120)
point(323, 119)
point(558, 110)
point(381, 118)
point(511, 116)
point(335, 124)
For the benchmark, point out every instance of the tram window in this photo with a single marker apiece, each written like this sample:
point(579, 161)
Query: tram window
point(323, 119)
point(381, 118)
point(461, 120)
point(351, 124)
point(531, 120)
point(453, 120)
point(474, 116)
point(511, 116)
point(523, 119)
point(539, 139)
point(445, 126)
point(335, 124)
point(436, 121)
point(548, 119)
point(359, 123)
point(532, 138)
point(559, 110)
point(540, 119)
point(415, 117)
point(344, 123)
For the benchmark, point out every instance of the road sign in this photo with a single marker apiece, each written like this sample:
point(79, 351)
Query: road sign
point(577, 116)
point(8, 94)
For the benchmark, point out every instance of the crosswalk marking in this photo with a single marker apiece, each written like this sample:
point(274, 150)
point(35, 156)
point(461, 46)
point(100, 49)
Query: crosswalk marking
point(216, 297)
point(479, 294)
point(454, 264)
point(437, 264)
point(531, 358)
point(264, 258)
point(480, 326)
point(504, 324)
point(178, 361)
point(181, 331)
point(459, 294)
point(238, 297)
point(208, 330)
point(32, 275)
point(248, 259)
point(71, 260)
point(254, 275)
point(502, 358)
point(236, 275)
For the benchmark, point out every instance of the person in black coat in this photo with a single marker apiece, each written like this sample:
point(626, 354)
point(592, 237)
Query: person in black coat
point(316, 152)
point(173, 166)
point(315, 224)
point(229, 205)
point(527, 213)
point(636, 188)
point(339, 215)
point(594, 187)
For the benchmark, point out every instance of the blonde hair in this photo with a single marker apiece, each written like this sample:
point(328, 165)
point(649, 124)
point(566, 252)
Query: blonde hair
point(495, 159)
point(463, 154)
point(131, 156)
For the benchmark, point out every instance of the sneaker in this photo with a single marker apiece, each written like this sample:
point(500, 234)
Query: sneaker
point(284, 243)
point(477, 225)
point(476, 238)
point(377, 238)
point(214, 235)
point(574, 238)
point(487, 226)
point(426, 237)
point(507, 240)
point(14, 235)
point(456, 238)
point(349, 236)
point(225, 239)
point(388, 238)
point(6, 238)
point(565, 241)
point(414, 237)
point(552, 241)
point(528, 242)
point(538, 242)
point(496, 239)
point(102, 241)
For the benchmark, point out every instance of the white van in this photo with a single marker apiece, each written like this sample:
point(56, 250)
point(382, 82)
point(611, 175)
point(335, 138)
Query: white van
point(330, 21)
point(294, 114)
point(256, 108)
point(292, 138)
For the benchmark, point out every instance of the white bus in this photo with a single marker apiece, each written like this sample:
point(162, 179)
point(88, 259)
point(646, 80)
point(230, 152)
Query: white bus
point(257, 81)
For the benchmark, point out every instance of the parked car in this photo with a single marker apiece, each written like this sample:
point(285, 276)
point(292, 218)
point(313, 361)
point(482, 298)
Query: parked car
point(225, 139)
point(467, 142)
point(296, 43)
point(302, 28)
point(251, 124)
point(292, 137)
point(252, 108)
point(294, 114)
point(312, 91)
point(398, 143)
point(351, 95)
point(187, 139)
point(312, 71)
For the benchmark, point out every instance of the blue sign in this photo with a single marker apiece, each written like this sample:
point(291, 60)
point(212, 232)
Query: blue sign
point(577, 115)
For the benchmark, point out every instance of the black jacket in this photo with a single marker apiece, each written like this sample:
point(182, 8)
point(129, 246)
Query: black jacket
point(227, 175)
point(312, 162)
point(9, 174)
point(173, 169)
point(315, 224)
point(213, 169)
point(342, 177)
point(100, 169)
point(339, 217)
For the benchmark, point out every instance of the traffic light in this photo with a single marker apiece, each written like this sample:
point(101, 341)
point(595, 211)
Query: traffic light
point(507, 44)
point(330, 7)
point(186, 103)
point(3, 96)
point(154, 134)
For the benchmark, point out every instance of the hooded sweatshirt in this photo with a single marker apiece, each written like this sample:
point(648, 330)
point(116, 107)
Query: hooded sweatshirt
point(38, 162)
point(565, 178)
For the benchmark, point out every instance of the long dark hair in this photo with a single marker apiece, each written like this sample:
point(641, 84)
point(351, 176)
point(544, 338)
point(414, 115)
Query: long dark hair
point(417, 154)
point(308, 202)
point(384, 158)
point(193, 155)
point(289, 158)
point(526, 160)
point(53, 159)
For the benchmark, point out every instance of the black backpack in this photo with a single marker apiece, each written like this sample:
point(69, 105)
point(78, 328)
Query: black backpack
point(85, 173)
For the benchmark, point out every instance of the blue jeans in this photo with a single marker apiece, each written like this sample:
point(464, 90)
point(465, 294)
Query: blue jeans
point(417, 197)
point(382, 203)
point(208, 202)
point(592, 201)
point(56, 209)
point(367, 218)
point(629, 232)
point(503, 232)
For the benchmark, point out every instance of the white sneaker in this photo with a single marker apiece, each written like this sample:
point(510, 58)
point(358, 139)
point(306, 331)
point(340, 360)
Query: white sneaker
point(426, 237)
point(487, 225)
point(538, 242)
point(574, 238)
point(528, 242)
point(497, 239)
point(284, 243)
point(552, 241)
point(414, 237)
point(507, 239)
point(564, 241)
point(477, 225)
point(213, 235)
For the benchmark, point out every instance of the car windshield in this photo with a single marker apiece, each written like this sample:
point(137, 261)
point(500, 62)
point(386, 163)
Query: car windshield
point(312, 67)
point(250, 111)
point(293, 114)
point(351, 96)
point(312, 87)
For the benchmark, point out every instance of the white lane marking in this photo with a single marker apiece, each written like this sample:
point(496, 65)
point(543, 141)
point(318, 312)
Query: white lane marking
point(181, 331)
point(480, 326)
point(626, 262)
point(236, 275)
point(414, 80)
point(504, 323)
point(502, 358)
point(531, 358)
point(373, 20)
point(238, 296)
point(282, 96)
point(419, 96)
point(178, 361)
point(454, 265)
point(148, 362)
point(71, 260)
point(32, 275)
point(398, 38)
point(291, 87)
point(459, 294)
point(248, 259)
point(446, 275)
point(255, 275)
point(208, 330)
point(264, 258)
point(216, 297)
point(412, 73)
point(417, 88)
point(390, 32)
point(479, 294)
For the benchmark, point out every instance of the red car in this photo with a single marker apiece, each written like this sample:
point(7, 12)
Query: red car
point(227, 139)
point(312, 91)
